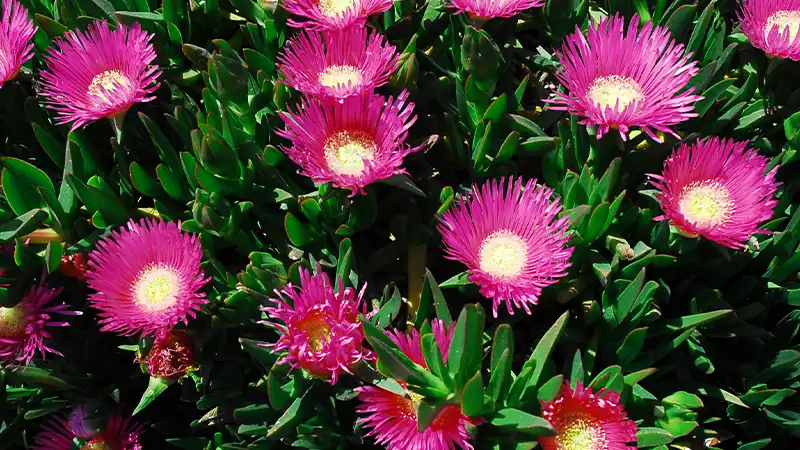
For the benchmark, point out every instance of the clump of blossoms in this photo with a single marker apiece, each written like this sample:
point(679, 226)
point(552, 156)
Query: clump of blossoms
point(483, 9)
point(171, 356)
point(511, 240)
point(621, 80)
point(334, 14)
point(772, 26)
point(16, 39)
point(719, 189)
point(62, 433)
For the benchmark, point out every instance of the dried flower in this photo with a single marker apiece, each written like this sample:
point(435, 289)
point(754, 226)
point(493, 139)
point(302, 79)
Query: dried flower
point(171, 356)
point(494, 8)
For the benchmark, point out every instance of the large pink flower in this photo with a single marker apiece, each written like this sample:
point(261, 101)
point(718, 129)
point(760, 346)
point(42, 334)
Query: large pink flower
point(494, 8)
point(719, 189)
point(511, 240)
point(334, 14)
point(16, 39)
point(621, 80)
point(772, 26)
point(63, 432)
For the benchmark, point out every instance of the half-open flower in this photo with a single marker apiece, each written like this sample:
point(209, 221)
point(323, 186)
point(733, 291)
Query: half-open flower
point(63, 433)
point(16, 39)
point(772, 26)
point(334, 14)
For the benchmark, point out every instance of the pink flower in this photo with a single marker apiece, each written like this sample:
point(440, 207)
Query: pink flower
point(511, 240)
point(588, 421)
point(350, 144)
point(319, 326)
point(718, 189)
point(147, 278)
point(99, 73)
point(337, 64)
point(16, 39)
point(618, 80)
point(772, 26)
point(61, 433)
point(494, 8)
point(334, 14)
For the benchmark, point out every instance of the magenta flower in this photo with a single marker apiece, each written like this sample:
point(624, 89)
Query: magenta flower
point(147, 278)
point(718, 189)
point(338, 64)
point(494, 8)
point(23, 327)
point(511, 240)
point(350, 144)
point(319, 326)
point(618, 80)
point(334, 14)
point(99, 73)
point(772, 26)
point(16, 39)
point(61, 434)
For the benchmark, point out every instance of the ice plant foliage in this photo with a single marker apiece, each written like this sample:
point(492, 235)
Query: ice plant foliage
point(147, 278)
point(334, 14)
point(509, 237)
point(61, 434)
point(16, 39)
point(489, 9)
point(99, 73)
point(353, 143)
point(772, 26)
point(718, 189)
point(618, 79)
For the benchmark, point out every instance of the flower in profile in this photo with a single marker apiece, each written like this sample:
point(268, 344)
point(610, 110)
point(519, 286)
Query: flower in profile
point(337, 64)
point(510, 239)
point(586, 420)
point(99, 73)
point(490, 9)
point(618, 80)
point(334, 14)
point(350, 144)
point(63, 432)
point(147, 278)
point(319, 326)
point(23, 327)
point(717, 188)
point(171, 356)
point(16, 39)
point(772, 26)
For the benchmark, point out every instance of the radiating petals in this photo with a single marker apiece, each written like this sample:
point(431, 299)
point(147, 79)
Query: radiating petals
point(16, 39)
point(772, 26)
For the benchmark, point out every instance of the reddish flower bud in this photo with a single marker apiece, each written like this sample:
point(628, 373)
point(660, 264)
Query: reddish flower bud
point(171, 356)
point(74, 266)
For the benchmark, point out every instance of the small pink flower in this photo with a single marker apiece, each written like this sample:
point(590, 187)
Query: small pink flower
point(16, 39)
point(511, 240)
point(618, 80)
point(494, 8)
point(772, 26)
point(60, 434)
point(718, 189)
point(334, 14)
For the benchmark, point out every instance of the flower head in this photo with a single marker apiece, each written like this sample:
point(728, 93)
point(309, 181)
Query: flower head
point(510, 239)
point(586, 420)
point(717, 188)
point(74, 266)
point(171, 356)
point(494, 8)
point(334, 14)
point(99, 73)
point(772, 26)
point(337, 64)
point(319, 326)
point(147, 278)
point(352, 143)
point(62, 432)
point(16, 39)
point(621, 80)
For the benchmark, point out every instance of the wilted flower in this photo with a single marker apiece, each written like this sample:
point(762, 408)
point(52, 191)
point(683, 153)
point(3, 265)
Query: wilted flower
point(99, 73)
point(334, 14)
point(511, 240)
point(16, 39)
point(337, 64)
point(171, 356)
point(494, 8)
point(618, 80)
point(718, 189)
point(585, 420)
point(74, 266)
point(352, 143)
point(147, 278)
point(60, 434)
point(772, 26)
point(319, 326)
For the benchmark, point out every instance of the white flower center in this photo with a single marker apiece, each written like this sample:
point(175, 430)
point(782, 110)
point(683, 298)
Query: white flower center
point(607, 91)
point(784, 20)
point(156, 289)
point(346, 151)
point(334, 76)
point(581, 432)
point(111, 81)
point(503, 254)
point(706, 204)
point(334, 8)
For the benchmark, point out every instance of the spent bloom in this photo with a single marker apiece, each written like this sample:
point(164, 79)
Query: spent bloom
point(353, 143)
point(172, 355)
point(99, 73)
point(717, 188)
point(621, 80)
point(772, 26)
point(334, 14)
point(586, 420)
point(511, 240)
point(338, 64)
point(494, 8)
point(16, 39)
point(147, 278)
point(319, 326)
point(392, 418)
point(63, 432)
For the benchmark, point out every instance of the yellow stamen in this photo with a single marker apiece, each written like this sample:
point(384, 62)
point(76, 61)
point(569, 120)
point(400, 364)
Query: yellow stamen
point(111, 81)
point(580, 432)
point(334, 8)
point(784, 20)
point(334, 76)
point(12, 321)
point(607, 91)
point(706, 204)
point(317, 329)
point(503, 254)
point(156, 289)
point(346, 151)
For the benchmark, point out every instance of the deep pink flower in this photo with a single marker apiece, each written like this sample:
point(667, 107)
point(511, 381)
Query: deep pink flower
point(16, 39)
point(585, 420)
point(494, 8)
point(334, 14)
point(337, 64)
point(719, 189)
point(772, 26)
point(618, 80)
point(350, 144)
point(319, 326)
point(60, 434)
point(147, 278)
point(511, 240)
point(99, 73)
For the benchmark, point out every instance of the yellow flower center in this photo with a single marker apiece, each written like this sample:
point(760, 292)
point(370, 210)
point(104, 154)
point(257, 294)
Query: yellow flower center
point(346, 151)
point(111, 81)
point(97, 443)
point(334, 8)
point(12, 321)
point(334, 76)
point(784, 20)
point(706, 204)
point(503, 254)
point(156, 289)
point(607, 91)
point(580, 432)
point(317, 329)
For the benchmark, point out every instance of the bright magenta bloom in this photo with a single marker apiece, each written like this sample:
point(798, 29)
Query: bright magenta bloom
point(618, 80)
point(585, 420)
point(23, 327)
point(772, 26)
point(511, 240)
point(147, 278)
point(717, 189)
point(99, 73)
point(319, 326)
point(353, 143)
point(61, 432)
point(392, 418)
point(494, 8)
point(16, 39)
point(334, 14)
point(338, 64)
